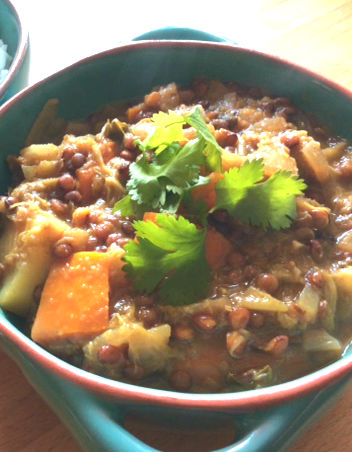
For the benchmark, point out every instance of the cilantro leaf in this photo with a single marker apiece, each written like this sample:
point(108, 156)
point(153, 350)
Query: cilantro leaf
point(162, 183)
point(234, 187)
point(128, 207)
point(212, 150)
point(170, 255)
point(269, 203)
point(125, 206)
point(168, 129)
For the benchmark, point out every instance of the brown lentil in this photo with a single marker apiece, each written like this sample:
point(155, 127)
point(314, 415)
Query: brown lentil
point(113, 238)
point(127, 155)
point(73, 196)
point(205, 322)
point(103, 230)
point(67, 153)
point(236, 342)
point(148, 315)
point(67, 182)
point(320, 218)
point(92, 243)
point(63, 250)
point(127, 228)
point(316, 278)
point(78, 160)
point(290, 140)
point(257, 319)
point(239, 318)
point(277, 345)
point(267, 282)
point(109, 354)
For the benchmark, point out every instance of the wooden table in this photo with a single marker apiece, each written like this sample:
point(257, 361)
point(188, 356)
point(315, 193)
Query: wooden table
point(314, 33)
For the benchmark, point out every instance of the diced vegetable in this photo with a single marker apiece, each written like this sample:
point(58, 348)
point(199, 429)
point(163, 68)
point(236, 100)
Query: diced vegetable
point(308, 300)
point(343, 281)
point(258, 300)
point(319, 340)
point(16, 294)
point(312, 163)
point(207, 192)
point(75, 299)
point(274, 154)
point(230, 160)
point(37, 153)
point(85, 178)
point(217, 248)
point(146, 348)
point(330, 295)
point(29, 259)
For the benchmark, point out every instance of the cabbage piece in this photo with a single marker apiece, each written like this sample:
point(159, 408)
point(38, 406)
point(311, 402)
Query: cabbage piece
point(343, 281)
point(308, 300)
point(27, 254)
point(253, 378)
point(319, 340)
point(330, 295)
point(258, 300)
point(146, 348)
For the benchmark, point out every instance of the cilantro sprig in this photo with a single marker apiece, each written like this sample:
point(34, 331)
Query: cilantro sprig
point(161, 184)
point(169, 254)
point(270, 203)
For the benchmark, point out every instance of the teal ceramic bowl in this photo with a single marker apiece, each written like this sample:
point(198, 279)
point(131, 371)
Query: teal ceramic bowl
point(93, 407)
point(14, 34)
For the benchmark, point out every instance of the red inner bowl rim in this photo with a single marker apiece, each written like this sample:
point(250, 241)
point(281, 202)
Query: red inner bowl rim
point(114, 389)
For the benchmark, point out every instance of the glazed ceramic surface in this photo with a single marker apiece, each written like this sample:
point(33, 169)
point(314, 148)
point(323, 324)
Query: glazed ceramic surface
point(14, 33)
point(125, 73)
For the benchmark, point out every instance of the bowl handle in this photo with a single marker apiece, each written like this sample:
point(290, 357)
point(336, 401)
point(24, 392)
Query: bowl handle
point(181, 33)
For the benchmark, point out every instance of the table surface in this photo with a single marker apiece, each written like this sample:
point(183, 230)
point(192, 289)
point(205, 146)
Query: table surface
point(316, 34)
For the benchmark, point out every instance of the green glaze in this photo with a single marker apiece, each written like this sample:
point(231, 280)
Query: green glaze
point(10, 33)
point(133, 72)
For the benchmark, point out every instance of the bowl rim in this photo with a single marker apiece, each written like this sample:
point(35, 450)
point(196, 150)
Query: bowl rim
point(22, 47)
point(117, 390)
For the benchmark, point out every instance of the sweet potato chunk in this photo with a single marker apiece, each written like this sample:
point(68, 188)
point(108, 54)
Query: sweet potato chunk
point(75, 299)
point(217, 248)
point(207, 192)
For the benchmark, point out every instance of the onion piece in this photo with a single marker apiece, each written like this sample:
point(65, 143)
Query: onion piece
point(258, 300)
point(309, 301)
point(319, 340)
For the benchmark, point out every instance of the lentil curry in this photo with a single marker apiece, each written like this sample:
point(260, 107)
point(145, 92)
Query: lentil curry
point(200, 240)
